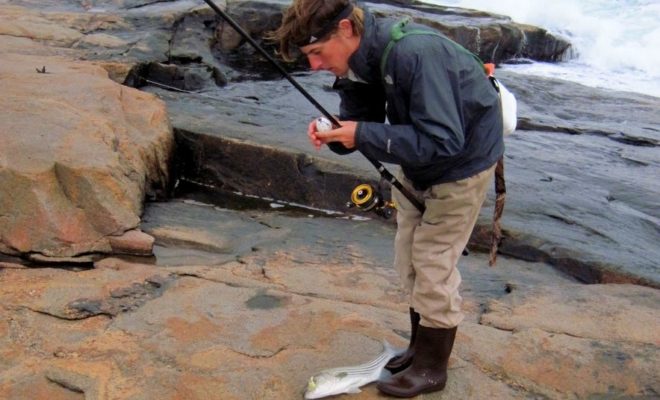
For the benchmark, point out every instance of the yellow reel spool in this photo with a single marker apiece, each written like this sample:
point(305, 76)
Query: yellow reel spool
point(363, 195)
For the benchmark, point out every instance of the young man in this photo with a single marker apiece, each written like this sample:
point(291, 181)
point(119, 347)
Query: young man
point(445, 131)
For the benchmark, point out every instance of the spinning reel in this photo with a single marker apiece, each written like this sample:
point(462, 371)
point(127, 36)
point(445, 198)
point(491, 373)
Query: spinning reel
point(366, 198)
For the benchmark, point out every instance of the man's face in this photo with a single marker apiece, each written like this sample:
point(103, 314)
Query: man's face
point(333, 54)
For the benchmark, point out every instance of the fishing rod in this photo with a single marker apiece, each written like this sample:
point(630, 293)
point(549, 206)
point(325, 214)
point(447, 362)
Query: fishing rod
point(384, 173)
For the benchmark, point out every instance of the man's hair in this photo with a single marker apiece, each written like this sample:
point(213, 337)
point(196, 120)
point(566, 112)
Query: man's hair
point(308, 21)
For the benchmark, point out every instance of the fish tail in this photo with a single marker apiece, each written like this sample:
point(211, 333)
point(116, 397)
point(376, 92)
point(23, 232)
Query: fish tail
point(391, 350)
point(384, 373)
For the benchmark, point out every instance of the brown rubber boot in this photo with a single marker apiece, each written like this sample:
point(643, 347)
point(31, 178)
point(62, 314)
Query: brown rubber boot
point(428, 372)
point(403, 361)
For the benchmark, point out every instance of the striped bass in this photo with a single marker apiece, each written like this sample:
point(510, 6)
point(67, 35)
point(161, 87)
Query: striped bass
point(340, 380)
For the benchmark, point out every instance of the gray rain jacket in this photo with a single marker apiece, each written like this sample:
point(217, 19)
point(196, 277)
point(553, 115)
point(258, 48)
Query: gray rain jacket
point(444, 116)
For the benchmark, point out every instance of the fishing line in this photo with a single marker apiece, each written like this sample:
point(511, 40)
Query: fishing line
point(384, 173)
point(176, 89)
point(243, 100)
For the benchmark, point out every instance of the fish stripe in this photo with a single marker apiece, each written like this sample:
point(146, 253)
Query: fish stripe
point(367, 367)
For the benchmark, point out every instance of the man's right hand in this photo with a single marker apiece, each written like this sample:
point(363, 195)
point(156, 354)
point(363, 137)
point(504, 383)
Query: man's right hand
point(345, 134)
point(311, 133)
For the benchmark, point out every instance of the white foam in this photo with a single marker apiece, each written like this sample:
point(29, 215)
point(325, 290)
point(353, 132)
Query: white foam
point(615, 42)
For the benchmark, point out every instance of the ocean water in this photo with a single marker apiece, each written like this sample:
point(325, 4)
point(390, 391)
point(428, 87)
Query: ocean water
point(616, 42)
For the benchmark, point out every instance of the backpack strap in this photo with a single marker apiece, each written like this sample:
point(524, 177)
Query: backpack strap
point(397, 33)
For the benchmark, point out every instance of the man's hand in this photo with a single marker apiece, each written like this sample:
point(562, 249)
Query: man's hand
point(345, 134)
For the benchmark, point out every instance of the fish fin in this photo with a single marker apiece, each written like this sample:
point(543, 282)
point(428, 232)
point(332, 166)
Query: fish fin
point(387, 346)
point(393, 351)
point(353, 390)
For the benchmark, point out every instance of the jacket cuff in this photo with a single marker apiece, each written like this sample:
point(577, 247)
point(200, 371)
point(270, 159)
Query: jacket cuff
point(358, 134)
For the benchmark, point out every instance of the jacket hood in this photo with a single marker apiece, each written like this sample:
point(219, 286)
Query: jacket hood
point(365, 61)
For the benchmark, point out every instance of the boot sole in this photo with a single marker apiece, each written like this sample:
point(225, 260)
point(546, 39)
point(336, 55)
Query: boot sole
point(429, 389)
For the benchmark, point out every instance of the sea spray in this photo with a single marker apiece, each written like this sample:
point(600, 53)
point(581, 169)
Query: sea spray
point(615, 42)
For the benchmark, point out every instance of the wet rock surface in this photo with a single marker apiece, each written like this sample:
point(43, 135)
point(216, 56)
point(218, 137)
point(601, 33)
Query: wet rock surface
point(580, 169)
point(291, 294)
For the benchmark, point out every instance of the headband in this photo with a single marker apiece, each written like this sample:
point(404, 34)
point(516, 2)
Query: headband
point(327, 27)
